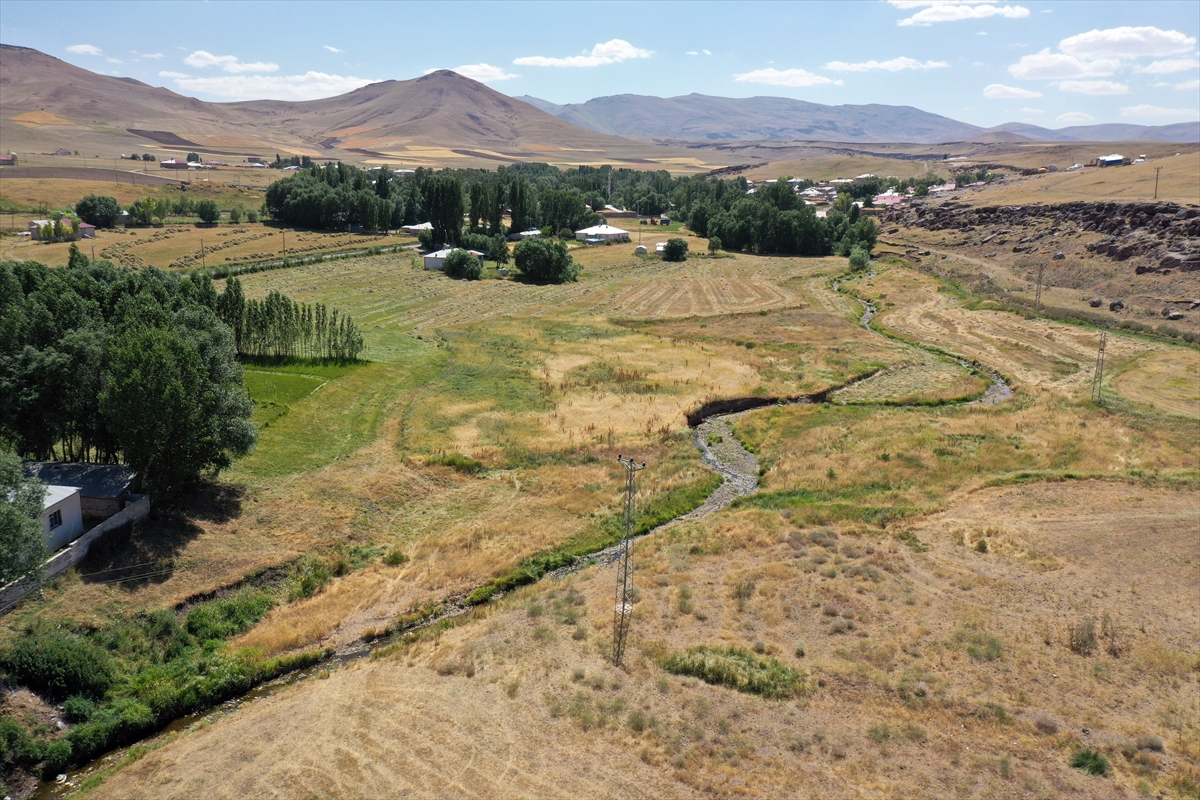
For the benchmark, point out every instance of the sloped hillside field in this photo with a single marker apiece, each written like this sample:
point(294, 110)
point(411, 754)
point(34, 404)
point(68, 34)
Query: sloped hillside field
point(853, 579)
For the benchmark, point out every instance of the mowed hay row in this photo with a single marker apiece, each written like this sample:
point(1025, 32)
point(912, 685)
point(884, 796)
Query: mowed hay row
point(922, 380)
point(899, 651)
point(1031, 351)
point(1169, 380)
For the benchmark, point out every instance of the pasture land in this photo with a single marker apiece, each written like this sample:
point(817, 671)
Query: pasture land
point(480, 442)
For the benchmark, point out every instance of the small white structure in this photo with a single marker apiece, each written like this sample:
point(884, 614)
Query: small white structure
point(605, 233)
point(434, 260)
point(660, 248)
point(1114, 160)
point(415, 229)
point(62, 516)
point(640, 250)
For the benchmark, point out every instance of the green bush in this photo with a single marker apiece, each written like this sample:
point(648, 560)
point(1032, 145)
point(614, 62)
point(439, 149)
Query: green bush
point(739, 669)
point(545, 261)
point(459, 462)
point(58, 665)
point(714, 244)
point(78, 708)
point(676, 250)
point(860, 259)
point(221, 619)
point(235, 214)
point(208, 211)
point(461, 264)
point(1091, 761)
point(395, 558)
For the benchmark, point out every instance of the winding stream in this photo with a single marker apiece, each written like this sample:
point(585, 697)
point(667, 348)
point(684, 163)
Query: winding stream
point(720, 451)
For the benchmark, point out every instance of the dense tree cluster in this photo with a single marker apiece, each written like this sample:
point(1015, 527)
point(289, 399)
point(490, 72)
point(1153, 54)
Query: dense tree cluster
point(279, 327)
point(545, 261)
point(22, 545)
point(775, 220)
point(99, 210)
point(461, 264)
point(111, 365)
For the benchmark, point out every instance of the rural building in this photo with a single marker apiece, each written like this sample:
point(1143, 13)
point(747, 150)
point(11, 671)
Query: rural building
point(9, 160)
point(171, 163)
point(603, 233)
point(87, 231)
point(434, 260)
point(889, 198)
point(62, 151)
point(1114, 160)
point(640, 250)
point(415, 229)
point(103, 488)
point(35, 225)
point(532, 233)
point(62, 516)
point(254, 159)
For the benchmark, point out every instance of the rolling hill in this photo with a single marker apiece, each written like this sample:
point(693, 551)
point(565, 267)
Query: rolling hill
point(698, 117)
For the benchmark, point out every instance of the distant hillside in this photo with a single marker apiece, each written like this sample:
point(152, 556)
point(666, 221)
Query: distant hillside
point(537, 102)
point(1181, 132)
point(704, 118)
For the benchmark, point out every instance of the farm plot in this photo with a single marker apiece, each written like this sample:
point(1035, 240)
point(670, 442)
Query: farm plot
point(921, 378)
point(1169, 380)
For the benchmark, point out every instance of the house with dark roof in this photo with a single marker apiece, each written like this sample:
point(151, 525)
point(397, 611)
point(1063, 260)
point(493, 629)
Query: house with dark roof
point(103, 488)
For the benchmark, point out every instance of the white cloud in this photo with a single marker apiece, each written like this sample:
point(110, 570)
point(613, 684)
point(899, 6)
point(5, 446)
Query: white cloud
point(332, 49)
point(786, 77)
point(998, 91)
point(1127, 42)
point(933, 11)
point(166, 73)
point(692, 53)
point(1159, 113)
point(309, 86)
point(484, 73)
point(85, 50)
point(1188, 86)
point(152, 55)
point(892, 65)
point(707, 52)
point(1076, 118)
point(1169, 65)
point(1057, 66)
point(112, 60)
point(982, 33)
point(202, 59)
point(1094, 87)
point(613, 51)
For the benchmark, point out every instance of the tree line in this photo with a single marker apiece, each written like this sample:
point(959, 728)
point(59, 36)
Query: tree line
point(110, 365)
point(279, 327)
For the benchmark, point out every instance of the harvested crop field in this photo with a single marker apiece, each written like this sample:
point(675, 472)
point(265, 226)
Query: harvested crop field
point(1169, 380)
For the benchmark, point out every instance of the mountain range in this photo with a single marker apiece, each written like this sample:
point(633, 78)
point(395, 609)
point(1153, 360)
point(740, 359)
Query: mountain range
point(698, 117)
point(444, 118)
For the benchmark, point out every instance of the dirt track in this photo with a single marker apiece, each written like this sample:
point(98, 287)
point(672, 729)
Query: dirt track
point(88, 174)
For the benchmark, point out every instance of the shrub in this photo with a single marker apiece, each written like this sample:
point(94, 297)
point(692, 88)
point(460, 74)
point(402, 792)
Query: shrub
point(461, 264)
point(59, 665)
point(544, 261)
point(458, 462)
point(737, 668)
point(78, 708)
point(981, 546)
point(1081, 638)
point(208, 211)
point(714, 244)
point(1091, 761)
point(1045, 723)
point(395, 558)
point(859, 259)
point(229, 616)
point(1150, 743)
point(235, 214)
point(676, 250)
point(252, 215)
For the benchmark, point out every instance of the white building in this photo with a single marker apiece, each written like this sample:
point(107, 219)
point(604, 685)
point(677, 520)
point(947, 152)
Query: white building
point(415, 229)
point(434, 260)
point(605, 233)
point(62, 516)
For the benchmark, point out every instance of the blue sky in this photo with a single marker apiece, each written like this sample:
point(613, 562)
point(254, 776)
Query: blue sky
point(1048, 63)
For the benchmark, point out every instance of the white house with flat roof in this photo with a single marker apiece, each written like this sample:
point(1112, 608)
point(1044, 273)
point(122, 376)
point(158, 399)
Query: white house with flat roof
point(62, 516)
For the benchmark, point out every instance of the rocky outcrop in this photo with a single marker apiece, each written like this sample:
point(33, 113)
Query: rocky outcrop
point(1166, 235)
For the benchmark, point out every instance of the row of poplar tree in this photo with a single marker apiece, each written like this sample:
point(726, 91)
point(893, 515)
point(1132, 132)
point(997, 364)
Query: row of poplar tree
point(278, 326)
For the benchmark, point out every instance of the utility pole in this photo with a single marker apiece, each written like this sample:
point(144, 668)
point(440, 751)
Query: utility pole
point(202, 264)
point(623, 608)
point(93, 255)
point(1041, 271)
point(1156, 171)
point(1098, 379)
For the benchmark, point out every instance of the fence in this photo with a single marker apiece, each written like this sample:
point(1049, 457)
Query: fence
point(138, 507)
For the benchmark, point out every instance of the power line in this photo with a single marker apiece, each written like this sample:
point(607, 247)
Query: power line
point(623, 608)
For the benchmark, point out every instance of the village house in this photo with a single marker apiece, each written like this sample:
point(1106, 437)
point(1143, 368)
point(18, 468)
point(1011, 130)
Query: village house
point(9, 160)
point(103, 488)
point(171, 163)
point(62, 516)
point(602, 233)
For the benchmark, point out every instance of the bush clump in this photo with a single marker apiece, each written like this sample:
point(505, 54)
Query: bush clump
point(545, 261)
point(461, 264)
point(58, 665)
point(1091, 761)
point(676, 250)
point(458, 462)
point(737, 668)
point(228, 616)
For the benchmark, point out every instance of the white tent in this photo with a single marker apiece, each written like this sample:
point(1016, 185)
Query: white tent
point(605, 233)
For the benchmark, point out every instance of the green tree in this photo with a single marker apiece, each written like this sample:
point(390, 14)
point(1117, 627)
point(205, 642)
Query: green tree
point(860, 259)
point(443, 196)
point(208, 211)
point(676, 250)
point(235, 214)
point(545, 261)
point(148, 157)
point(75, 258)
point(714, 244)
point(193, 157)
point(22, 545)
point(99, 210)
point(461, 264)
